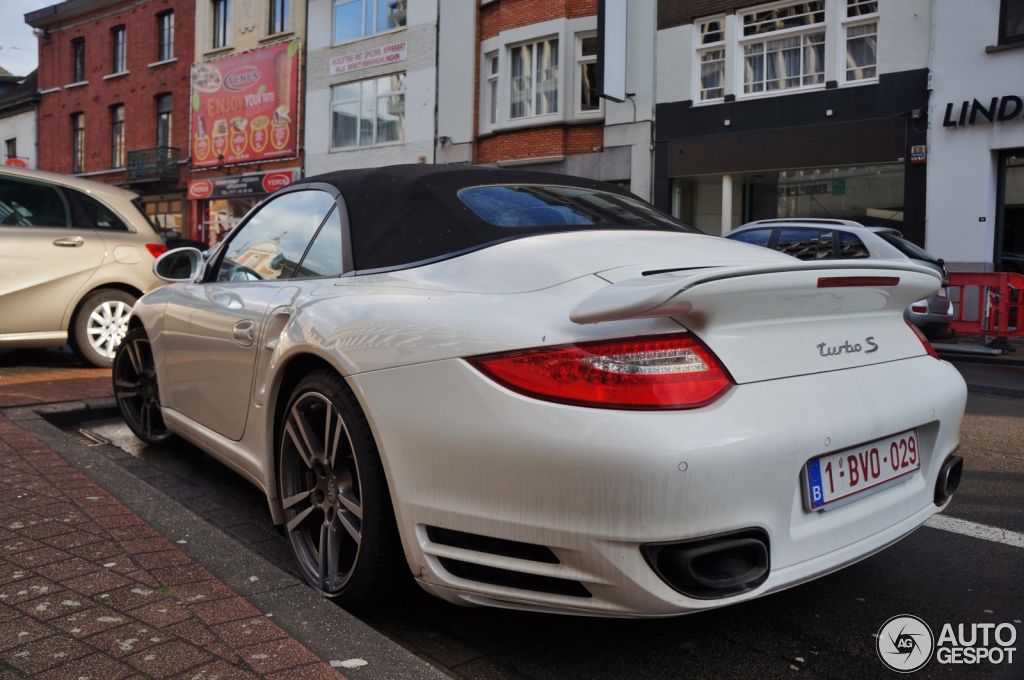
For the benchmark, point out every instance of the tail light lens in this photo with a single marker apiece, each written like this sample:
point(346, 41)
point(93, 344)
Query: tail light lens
point(156, 249)
point(924, 341)
point(651, 373)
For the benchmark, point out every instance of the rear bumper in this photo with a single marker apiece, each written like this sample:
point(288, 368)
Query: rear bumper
point(593, 485)
point(938, 316)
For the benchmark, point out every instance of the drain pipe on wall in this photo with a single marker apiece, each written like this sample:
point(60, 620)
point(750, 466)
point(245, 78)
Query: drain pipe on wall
point(654, 110)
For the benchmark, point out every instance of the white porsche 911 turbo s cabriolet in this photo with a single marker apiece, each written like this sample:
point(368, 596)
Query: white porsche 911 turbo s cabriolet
point(535, 391)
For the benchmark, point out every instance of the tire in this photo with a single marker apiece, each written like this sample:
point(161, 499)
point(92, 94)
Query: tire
point(349, 534)
point(101, 324)
point(135, 389)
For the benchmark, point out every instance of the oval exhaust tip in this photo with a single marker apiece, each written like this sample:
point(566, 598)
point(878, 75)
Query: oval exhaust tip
point(713, 567)
point(949, 479)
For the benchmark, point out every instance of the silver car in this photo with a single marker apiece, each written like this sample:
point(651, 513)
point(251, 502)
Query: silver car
point(75, 255)
point(824, 239)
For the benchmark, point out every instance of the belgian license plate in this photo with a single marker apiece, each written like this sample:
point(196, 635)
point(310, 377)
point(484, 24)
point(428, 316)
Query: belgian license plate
point(840, 476)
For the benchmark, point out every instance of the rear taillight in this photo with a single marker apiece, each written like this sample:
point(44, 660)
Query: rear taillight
point(920, 307)
point(660, 372)
point(924, 341)
point(156, 249)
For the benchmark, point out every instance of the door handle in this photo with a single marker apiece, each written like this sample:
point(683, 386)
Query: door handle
point(244, 332)
point(69, 242)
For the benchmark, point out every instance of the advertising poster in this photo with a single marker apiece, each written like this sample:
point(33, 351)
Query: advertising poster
point(244, 107)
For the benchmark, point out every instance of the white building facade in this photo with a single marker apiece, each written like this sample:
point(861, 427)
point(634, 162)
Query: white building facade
point(371, 83)
point(976, 138)
point(18, 123)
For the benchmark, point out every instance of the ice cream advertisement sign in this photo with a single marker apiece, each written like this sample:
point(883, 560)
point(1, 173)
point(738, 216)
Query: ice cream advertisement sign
point(244, 107)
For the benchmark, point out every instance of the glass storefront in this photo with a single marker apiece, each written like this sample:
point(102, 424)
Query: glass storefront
point(220, 215)
point(871, 195)
point(1012, 202)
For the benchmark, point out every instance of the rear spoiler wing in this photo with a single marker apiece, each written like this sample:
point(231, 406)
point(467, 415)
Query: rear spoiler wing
point(666, 293)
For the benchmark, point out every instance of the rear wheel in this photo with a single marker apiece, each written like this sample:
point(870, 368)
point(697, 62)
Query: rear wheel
point(135, 388)
point(338, 513)
point(101, 324)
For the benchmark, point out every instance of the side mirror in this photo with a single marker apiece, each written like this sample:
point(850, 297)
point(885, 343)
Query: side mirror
point(180, 264)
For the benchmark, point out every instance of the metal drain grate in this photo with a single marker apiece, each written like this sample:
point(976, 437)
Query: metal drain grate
point(86, 437)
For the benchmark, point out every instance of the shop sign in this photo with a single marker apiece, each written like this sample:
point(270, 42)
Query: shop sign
point(999, 110)
point(200, 188)
point(371, 56)
point(245, 107)
point(240, 185)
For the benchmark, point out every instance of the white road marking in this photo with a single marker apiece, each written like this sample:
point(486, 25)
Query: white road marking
point(982, 531)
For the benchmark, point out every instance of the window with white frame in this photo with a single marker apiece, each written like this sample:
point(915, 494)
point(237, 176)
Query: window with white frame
point(533, 86)
point(368, 112)
point(784, 47)
point(491, 61)
point(586, 68)
point(360, 18)
point(711, 56)
point(861, 40)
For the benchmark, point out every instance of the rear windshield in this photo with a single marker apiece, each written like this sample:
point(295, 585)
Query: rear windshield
point(909, 249)
point(535, 205)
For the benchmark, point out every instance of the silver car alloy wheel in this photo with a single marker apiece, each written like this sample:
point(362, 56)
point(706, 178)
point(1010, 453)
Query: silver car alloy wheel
point(321, 492)
point(108, 324)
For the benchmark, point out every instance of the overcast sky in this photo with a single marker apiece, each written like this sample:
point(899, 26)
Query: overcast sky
point(18, 52)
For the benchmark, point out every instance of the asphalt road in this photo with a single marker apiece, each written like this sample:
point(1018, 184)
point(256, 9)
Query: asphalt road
point(821, 629)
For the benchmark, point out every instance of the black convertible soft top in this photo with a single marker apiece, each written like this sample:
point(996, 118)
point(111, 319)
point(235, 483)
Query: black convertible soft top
point(409, 214)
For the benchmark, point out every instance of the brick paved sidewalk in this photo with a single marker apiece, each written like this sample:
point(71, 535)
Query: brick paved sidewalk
point(88, 590)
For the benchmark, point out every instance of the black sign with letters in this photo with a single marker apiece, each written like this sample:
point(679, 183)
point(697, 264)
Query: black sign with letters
point(998, 110)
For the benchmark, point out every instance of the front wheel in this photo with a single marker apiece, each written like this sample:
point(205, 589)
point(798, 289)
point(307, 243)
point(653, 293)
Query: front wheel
point(338, 513)
point(135, 388)
point(101, 324)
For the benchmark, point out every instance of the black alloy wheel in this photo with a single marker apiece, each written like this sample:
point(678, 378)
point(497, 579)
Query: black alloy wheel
point(338, 513)
point(135, 388)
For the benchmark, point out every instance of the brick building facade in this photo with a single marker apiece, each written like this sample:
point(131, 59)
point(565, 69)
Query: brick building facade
point(114, 86)
point(552, 141)
point(537, 97)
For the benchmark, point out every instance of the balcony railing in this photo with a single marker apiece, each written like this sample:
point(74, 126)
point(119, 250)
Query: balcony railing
point(153, 165)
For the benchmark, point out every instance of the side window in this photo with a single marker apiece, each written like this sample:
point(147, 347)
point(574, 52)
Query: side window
point(324, 255)
point(26, 204)
point(99, 215)
point(851, 247)
point(757, 237)
point(270, 245)
point(800, 243)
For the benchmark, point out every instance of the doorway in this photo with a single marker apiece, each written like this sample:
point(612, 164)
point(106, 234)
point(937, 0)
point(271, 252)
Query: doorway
point(1009, 240)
